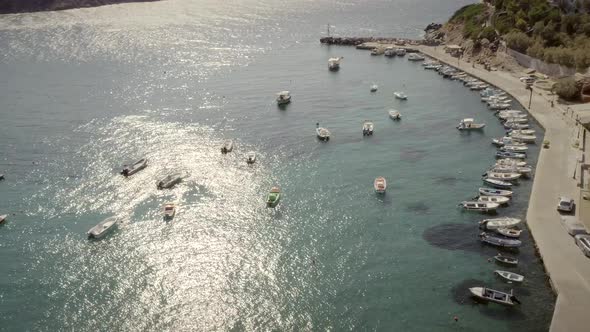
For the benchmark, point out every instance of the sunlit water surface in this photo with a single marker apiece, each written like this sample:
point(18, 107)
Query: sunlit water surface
point(85, 91)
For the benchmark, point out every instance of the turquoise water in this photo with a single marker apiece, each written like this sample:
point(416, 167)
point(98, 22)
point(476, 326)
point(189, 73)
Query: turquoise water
point(87, 91)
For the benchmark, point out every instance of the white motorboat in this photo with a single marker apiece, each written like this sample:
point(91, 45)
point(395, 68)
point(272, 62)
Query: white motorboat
point(510, 177)
point(283, 97)
point(468, 124)
point(377, 51)
point(499, 242)
point(136, 167)
point(374, 88)
point(415, 57)
point(518, 147)
point(524, 138)
point(490, 295)
point(400, 95)
point(389, 51)
point(497, 183)
point(322, 133)
point(494, 192)
point(479, 206)
point(509, 276)
point(169, 181)
point(513, 121)
point(522, 132)
point(524, 171)
point(251, 157)
point(499, 106)
point(380, 185)
point(509, 232)
point(494, 199)
point(368, 128)
point(434, 66)
point(395, 115)
point(400, 52)
point(583, 241)
point(228, 146)
point(512, 126)
point(511, 162)
point(334, 63)
point(103, 228)
point(169, 211)
point(1, 176)
point(506, 140)
point(504, 222)
point(510, 154)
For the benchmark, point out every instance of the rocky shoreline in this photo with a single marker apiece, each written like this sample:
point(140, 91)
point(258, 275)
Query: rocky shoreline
point(27, 6)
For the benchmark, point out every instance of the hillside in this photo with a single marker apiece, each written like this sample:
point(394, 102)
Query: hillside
point(550, 32)
point(21, 6)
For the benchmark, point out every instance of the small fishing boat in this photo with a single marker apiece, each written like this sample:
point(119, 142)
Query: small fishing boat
point(389, 51)
point(415, 57)
point(395, 115)
point(322, 133)
point(251, 158)
point(509, 154)
point(514, 148)
point(506, 140)
point(136, 167)
point(3, 218)
point(506, 260)
point(228, 146)
point(334, 63)
point(522, 132)
point(169, 211)
point(479, 206)
point(494, 192)
point(283, 97)
point(400, 52)
point(523, 171)
point(509, 177)
point(510, 162)
point(377, 51)
point(512, 126)
point(524, 138)
point(509, 276)
point(468, 124)
point(380, 185)
point(490, 295)
point(400, 95)
point(103, 228)
point(497, 183)
point(494, 199)
point(504, 222)
point(374, 88)
point(519, 120)
point(499, 242)
point(499, 106)
point(509, 232)
point(368, 128)
point(274, 197)
point(169, 181)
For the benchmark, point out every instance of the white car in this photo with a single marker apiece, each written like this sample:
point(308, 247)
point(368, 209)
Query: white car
point(528, 79)
point(565, 204)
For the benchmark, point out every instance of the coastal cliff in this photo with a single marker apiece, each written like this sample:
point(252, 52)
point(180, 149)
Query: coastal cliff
point(23, 6)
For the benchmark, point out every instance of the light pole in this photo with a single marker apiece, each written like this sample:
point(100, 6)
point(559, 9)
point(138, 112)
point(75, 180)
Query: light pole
point(530, 87)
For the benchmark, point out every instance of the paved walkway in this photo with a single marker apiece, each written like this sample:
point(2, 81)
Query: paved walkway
point(567, 267)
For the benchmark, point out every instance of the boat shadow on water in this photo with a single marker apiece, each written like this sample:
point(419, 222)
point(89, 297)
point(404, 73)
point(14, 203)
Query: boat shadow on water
point(417, 208)
point(461, 295)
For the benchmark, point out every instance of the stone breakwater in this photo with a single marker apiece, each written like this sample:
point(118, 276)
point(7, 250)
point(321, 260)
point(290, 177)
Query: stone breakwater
point(355, 41)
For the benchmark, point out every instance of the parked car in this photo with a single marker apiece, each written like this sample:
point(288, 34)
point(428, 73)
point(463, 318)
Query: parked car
point(528, 79)
point(565, 204)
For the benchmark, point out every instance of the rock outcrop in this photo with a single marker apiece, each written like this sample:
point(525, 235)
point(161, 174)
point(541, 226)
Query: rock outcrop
point(433, 34)
point(23, 6)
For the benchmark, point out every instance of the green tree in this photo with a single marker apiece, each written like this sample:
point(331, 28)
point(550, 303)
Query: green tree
point(518, 41)
point(521, 25)
point(566, 88)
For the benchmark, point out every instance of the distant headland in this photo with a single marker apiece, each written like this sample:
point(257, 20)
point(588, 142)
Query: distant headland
point(24, 6)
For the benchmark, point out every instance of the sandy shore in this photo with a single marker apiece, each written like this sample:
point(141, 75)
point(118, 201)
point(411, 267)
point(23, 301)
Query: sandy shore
point(567, 267)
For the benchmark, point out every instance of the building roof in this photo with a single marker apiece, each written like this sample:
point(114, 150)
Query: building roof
point(454, 47)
